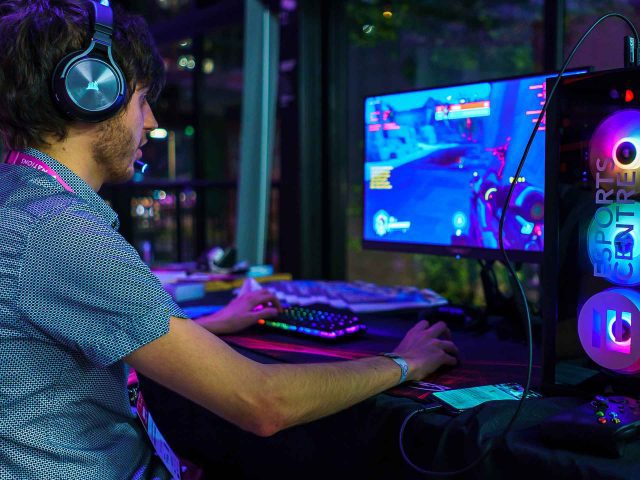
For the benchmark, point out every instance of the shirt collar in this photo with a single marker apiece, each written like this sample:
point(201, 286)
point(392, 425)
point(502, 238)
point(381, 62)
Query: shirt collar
point(79, 187)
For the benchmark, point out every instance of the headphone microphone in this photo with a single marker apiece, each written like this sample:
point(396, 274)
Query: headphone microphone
point(140, 166)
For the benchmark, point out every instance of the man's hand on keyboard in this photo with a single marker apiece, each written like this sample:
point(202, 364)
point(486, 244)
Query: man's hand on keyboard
point(426, 348)
point(242, 312)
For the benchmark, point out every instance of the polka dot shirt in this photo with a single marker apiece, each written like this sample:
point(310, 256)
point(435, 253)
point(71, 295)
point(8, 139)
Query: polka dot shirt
point(75, 298)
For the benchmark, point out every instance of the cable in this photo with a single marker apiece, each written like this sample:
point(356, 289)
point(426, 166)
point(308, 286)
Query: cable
point(511, 270)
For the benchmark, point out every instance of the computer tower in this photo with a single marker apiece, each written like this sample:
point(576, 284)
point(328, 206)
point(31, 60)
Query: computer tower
point(591, 264)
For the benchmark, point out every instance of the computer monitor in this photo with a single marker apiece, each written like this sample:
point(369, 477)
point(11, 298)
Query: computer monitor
point(438, 165)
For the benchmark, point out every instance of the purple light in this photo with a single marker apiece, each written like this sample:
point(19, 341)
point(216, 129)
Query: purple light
point(619, 327)
point(608, 311)
point(624, 124)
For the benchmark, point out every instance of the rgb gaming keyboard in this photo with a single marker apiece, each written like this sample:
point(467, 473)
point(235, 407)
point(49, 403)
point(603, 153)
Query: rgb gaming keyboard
point(315, 322)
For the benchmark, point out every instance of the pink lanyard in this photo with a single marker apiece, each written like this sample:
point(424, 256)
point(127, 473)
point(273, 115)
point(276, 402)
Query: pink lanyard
point(19, 158)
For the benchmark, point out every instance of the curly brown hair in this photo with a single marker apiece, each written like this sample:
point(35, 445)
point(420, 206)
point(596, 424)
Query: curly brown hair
point(34, 36)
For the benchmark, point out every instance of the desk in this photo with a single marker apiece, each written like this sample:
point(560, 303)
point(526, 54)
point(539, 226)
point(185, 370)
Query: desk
point(484, 358)
point(362, 442)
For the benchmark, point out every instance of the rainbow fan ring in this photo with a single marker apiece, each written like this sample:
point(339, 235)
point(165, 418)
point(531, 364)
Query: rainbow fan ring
point(614, 155)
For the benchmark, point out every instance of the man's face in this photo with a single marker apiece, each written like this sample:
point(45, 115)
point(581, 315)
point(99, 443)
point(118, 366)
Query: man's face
point(119, 139)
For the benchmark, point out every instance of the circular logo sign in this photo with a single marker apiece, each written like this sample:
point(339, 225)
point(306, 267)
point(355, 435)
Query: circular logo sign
point(613, 243)
point(609, 329)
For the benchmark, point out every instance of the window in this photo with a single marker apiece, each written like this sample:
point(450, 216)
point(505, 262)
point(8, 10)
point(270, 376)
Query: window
point(407, 45)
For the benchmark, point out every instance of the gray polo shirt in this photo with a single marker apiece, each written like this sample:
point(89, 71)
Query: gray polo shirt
point(75, 298)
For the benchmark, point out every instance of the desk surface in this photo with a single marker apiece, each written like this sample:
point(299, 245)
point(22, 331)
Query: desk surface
point(432, 440)
point(484, 358)
point(437, 440)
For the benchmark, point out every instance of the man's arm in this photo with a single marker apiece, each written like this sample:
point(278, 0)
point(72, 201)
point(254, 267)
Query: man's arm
point(265, 399)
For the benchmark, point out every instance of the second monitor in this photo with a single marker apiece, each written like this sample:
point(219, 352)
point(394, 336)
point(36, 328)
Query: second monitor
point(438, 166)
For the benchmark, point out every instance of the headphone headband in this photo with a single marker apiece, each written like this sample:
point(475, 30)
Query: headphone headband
point(101, 18)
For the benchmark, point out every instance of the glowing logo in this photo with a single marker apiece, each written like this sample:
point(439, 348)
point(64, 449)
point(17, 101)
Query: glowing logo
point(384, 223)
point(380, 222)
point(609, 331)
point(613, 243)
point(93, 86)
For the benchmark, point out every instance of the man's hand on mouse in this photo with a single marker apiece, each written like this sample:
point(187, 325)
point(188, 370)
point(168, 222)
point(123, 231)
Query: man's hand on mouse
point(426, 348)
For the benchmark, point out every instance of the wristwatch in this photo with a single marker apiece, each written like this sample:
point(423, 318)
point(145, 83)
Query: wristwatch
point(402, 363)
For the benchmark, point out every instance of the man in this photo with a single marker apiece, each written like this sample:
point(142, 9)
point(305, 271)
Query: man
point(77, 305)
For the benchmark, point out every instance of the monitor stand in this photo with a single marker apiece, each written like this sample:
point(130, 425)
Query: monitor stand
point(503, 312)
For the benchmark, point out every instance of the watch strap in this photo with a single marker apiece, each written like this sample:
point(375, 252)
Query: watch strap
point(401, 362)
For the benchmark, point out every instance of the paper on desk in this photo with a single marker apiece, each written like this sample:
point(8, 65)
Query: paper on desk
point(249, 285)
point(169, 276)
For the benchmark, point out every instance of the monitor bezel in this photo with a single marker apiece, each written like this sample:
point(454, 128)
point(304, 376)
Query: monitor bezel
point(457, 251)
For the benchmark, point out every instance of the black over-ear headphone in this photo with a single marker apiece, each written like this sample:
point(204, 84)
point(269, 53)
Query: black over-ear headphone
point(88, 85)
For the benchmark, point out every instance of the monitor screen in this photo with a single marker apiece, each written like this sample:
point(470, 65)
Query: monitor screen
point(439, 162)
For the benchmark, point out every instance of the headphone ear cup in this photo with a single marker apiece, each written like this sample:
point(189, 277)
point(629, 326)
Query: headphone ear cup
point(87, 88)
